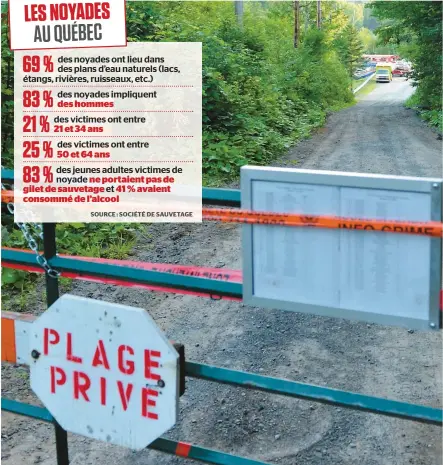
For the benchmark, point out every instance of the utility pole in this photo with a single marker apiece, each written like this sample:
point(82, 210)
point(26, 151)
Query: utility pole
point(318, 14)
point(239, 12)
point(296, 23)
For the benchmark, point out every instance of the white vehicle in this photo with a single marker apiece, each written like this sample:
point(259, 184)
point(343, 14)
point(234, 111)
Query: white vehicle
point(383, 72)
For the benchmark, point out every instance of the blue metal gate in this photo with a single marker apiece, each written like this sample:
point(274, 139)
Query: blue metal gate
point(391, 408)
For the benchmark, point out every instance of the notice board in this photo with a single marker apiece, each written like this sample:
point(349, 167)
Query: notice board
point(385, 278)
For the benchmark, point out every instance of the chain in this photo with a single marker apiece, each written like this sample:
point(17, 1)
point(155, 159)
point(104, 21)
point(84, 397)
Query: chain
point(32, 243)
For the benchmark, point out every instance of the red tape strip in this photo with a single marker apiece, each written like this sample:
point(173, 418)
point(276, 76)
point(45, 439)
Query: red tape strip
point(183, 449)
point(186, 270)
point(223, 274)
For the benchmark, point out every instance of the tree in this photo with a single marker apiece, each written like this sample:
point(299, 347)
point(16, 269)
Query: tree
point(296, 22)
point(333, 19)
point(318, 14)
point(419, 25)
point(350, 49)
point(239, 11)
point(355, 12)
point(369, 21)
point(368, 39)
point(7, 69)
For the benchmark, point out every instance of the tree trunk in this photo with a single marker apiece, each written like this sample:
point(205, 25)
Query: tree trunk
point(296, 23)
point(318, 14)
point(239, 12)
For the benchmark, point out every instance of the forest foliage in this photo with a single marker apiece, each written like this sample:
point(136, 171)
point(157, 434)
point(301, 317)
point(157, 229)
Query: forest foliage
point(260, 94)
point(416, 29)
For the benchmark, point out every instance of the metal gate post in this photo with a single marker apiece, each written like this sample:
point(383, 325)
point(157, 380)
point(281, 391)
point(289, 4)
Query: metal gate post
point(52, 294)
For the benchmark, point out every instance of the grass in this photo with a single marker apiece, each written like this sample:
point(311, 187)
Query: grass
point(20, 289)
point(434, 117)
point(367, 89)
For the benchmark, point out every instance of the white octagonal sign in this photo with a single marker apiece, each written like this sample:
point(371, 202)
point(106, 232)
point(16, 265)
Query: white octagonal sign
point(105, 371)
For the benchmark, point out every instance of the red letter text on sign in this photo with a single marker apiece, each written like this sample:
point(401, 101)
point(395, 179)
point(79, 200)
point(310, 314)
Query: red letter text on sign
point(100, 357)
point(35, 13)
point(59, 381)
point(81, 388)
point(46, 341)
point(69, 355)
point(103, 391)
point(125, 394)
point(128, 367)
point(146, 402)
point(149, 363)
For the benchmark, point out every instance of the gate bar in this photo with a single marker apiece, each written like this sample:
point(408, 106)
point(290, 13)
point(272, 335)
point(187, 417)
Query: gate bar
point(126, 273)
point(200, 453)
point(355, 401)
point(425, 414)
point(228, 197)
point(168, 446)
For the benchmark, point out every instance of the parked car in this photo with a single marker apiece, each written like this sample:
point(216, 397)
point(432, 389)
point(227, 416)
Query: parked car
point(383, 72)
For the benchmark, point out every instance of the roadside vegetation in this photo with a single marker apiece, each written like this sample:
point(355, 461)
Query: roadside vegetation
point(415, 30)
point(265, 87)
point(262, 92)
point(365, 90)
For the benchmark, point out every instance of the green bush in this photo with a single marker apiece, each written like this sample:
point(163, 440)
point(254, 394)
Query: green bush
point(260, 95)
point(433, 116)
point(416, 27)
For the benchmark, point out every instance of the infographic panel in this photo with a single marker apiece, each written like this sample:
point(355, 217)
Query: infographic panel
point(109, 135)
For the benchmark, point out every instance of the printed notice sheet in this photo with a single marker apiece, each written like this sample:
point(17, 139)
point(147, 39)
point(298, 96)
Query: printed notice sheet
point(296, 261)
point(381, 271)
point(366, 271)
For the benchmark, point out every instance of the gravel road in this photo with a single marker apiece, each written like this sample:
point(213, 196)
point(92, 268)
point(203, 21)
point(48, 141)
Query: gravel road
point(377, 135)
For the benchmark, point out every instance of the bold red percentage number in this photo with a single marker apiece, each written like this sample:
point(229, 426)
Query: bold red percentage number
point(31, 149)
point(31, 98)
point(31, 64)
point(31, 174)
point(31, 123)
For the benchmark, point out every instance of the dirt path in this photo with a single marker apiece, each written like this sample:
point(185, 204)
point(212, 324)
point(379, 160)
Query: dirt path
point(377, 135)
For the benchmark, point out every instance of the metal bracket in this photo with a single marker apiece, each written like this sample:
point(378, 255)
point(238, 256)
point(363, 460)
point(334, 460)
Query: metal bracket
point(180, 348)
